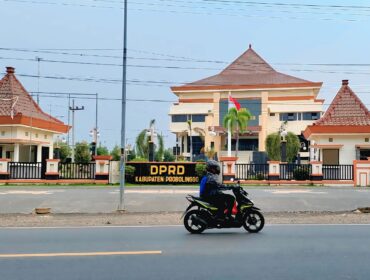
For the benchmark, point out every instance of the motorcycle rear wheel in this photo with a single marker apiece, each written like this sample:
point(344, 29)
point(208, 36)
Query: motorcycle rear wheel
point(189, 224)
point(254, 221)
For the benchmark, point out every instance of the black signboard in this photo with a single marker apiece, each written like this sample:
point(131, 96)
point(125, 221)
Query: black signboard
point(164, 173)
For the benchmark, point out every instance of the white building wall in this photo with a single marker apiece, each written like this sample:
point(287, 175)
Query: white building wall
point(347, 153)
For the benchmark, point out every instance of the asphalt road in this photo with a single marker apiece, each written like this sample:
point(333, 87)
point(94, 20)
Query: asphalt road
point(105, 199)
point(278, 252)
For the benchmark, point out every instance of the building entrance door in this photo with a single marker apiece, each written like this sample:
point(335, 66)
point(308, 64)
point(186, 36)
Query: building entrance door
point(330, 157)
point(44, 157)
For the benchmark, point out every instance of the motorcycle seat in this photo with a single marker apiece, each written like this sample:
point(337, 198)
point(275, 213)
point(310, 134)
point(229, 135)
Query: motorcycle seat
point(205, 203)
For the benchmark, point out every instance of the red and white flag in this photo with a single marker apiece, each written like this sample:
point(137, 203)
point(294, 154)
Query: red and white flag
point(236, 103)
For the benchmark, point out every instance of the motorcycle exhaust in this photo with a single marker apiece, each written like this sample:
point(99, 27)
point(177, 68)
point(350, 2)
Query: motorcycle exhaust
point(197, 221)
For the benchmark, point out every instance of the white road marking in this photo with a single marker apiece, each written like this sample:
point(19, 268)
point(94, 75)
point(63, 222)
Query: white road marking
point(159, 191)
point(30, 192)
point(296, 191)
point(80, 254)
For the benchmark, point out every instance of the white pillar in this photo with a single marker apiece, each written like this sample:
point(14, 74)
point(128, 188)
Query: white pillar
point(51, 152)
point(16, 153)
point(39, 149)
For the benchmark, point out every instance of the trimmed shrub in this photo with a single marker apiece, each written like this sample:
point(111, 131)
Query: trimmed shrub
point(301, 174)
point(129, 173)
point(200, 169)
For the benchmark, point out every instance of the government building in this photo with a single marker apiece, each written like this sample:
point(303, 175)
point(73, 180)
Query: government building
point(273, 98)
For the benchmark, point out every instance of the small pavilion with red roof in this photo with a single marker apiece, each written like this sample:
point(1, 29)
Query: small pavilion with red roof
point(26, 132)
point(342, 134)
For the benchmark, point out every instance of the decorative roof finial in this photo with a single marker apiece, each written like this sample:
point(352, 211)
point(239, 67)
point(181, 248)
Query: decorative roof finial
point(250, 46)
point(10, 70)
point(345, 82)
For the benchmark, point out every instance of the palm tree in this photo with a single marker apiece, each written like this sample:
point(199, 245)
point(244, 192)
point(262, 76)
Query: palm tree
point(143, 139)
point(237, 122)
point(191, 141)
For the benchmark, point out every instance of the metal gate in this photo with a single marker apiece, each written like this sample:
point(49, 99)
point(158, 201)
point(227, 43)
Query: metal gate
point(25, 170)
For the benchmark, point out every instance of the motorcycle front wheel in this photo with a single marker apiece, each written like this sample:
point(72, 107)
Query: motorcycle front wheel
point(254, 221)
point(193, 222)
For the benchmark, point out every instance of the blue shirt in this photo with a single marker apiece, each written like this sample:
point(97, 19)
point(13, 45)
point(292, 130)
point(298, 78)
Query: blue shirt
point(202, 185)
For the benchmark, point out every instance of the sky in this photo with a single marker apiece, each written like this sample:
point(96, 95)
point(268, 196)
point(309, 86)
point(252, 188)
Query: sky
point(171, 42)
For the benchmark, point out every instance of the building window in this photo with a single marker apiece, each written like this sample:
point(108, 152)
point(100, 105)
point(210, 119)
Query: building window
point(36, 135)
point(198, 118)
point(366, 139)
point(179, 118)
point(288, 116)
point(330, 139)
point(2, 133)
point(311, 116)
point(26, 133)
point(45, 136)
point(272, 114)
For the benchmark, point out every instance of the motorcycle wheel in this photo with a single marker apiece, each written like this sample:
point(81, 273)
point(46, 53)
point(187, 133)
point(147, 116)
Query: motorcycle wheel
point(254, 221)
point(189, 224)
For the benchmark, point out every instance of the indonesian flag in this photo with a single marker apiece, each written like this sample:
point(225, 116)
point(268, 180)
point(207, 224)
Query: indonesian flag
point(236, 103)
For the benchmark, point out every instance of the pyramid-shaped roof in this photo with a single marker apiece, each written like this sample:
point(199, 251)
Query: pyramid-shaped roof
point(346, 114)
point(248, 71)
point(18, 107)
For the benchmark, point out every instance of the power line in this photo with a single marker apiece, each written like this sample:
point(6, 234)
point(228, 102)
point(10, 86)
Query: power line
point(206, 11)
point(183, 59)
point(83, 96)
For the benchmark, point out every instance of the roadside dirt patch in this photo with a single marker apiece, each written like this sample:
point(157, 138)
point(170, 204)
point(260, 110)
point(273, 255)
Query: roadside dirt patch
point(169, 218)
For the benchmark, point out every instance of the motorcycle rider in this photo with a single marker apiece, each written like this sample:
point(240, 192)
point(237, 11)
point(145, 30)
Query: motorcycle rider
point(211, 191)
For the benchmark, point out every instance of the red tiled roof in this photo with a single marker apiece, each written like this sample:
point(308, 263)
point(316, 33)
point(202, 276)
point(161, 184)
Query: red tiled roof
point(248, 70)
point(345, 109)
point(13, 94)
point(346, 114)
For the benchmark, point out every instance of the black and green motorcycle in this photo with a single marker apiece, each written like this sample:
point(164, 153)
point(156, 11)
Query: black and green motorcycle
point(201, 215)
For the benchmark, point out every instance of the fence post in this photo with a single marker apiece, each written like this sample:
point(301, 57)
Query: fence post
point(274, 170)
point(4, 174)
point(228, 168)
point(316, 171)
point(102, 167)
point(361, 176)
point(52, 169)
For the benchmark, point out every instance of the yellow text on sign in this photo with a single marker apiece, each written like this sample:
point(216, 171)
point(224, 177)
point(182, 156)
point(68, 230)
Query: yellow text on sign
point(167, 169)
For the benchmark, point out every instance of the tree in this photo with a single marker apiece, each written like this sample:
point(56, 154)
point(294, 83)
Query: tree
point(237, 122)
point(116, 153)
point(168, 156)
point(273, 146)
point(142, 143)
point(160, 151)
point(102, 151)
point(191, 140)
point(82, 152)
point(64, 151)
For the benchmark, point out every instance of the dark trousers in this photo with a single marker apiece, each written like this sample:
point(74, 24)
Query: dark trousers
point(222, 201)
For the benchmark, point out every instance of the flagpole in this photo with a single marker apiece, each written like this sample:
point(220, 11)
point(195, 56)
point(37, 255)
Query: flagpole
point(229, 129)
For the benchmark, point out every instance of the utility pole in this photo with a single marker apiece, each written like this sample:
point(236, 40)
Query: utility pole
point(73, 109)
point(96, 125)
point(38, 80)
point(123, 121)
point(69, 116)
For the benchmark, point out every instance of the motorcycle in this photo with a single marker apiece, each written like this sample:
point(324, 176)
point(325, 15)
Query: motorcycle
point(201, 215)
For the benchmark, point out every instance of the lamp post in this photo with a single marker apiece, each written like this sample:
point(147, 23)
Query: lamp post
point(283, 134)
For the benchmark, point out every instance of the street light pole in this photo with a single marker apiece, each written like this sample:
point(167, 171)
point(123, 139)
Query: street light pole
point(73, 109)
point(123, 122)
